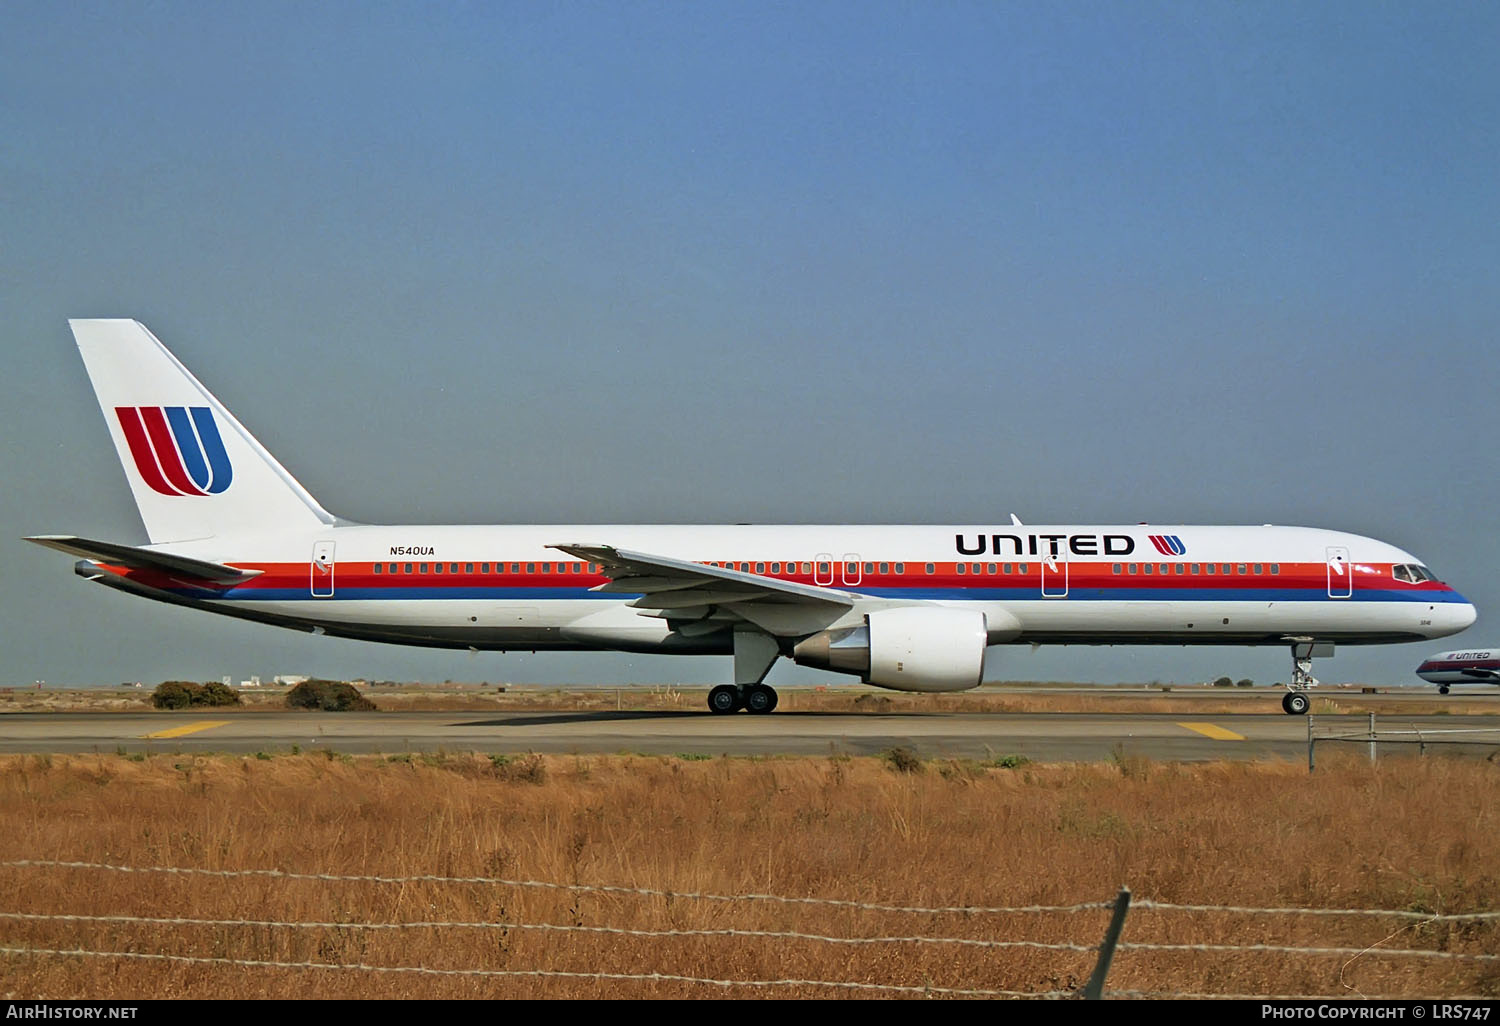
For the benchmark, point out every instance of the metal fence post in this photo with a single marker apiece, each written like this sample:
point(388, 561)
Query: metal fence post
point(1094, 989)
point(1372, 739)
point(1309, 744)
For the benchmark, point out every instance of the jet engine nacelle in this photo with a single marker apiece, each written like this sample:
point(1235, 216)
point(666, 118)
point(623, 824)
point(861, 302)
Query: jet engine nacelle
point(913, 648)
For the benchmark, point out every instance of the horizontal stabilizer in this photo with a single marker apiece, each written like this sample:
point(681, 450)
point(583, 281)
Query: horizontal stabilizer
point(135, 558)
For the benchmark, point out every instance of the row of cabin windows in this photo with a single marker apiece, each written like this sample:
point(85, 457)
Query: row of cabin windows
point(850, 569)
point(484, 568)
point(1195, 568)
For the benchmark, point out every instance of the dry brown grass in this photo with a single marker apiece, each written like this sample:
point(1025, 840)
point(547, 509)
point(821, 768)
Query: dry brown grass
point(1405, 834)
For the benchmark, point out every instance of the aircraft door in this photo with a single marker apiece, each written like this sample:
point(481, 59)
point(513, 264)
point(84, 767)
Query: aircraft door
point(1340, 572)
point(1055, 572)
point(851, 569)
point(823, 569)
point(322, 569)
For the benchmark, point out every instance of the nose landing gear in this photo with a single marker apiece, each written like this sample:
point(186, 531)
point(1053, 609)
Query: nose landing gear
point(1295, 702)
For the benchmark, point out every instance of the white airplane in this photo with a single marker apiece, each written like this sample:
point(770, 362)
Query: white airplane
point(907, 608)
point(1464, 666)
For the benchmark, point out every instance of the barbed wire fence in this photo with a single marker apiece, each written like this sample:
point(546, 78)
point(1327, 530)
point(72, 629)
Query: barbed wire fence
point(1103, 951)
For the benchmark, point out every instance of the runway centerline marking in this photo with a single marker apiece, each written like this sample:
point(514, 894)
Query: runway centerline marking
point(188, 728)
point(1214, 731)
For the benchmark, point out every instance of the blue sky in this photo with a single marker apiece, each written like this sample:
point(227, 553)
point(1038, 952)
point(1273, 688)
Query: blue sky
point(709, 262)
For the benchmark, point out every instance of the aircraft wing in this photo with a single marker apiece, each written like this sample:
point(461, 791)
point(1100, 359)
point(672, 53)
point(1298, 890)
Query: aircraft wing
point(1479, 673)
point(181, 567)
point(701, 599)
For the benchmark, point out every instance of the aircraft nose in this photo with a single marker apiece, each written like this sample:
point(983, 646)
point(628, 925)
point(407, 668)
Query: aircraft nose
point(1455, 616)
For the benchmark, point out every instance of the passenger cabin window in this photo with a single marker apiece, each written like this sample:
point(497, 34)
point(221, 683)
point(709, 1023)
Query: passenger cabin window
point(515, 568)
point(1275, 568)
point(1258, 568)
point(530, 568)
point(885, 568)
point(1022, 567)
point(760, 568)
point(825, 568)
point(1181, 568)
point(1117, 568)
point(775, 568)
point(484, 568)
point(960, 568)
point(378, 568)
point(437, 568)
point(1241, 568)
point(391, 569)
point(900, 568)
point(422, 567)
point(1196, 567)
point(869, 568)
point(1150, 568)
point(1211, 568)
point(931, 568)
point(408, 569)
point(989, 568)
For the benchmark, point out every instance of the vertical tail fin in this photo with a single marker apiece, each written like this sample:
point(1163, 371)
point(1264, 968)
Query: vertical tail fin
point(193, 468)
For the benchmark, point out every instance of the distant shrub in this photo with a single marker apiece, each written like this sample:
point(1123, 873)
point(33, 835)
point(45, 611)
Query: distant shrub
point(526, 769)
point(904, 760)
point(180, 694)
point(1223, 682)
point(1246, 683)
point(328, 696)
point(173, 694)
point(214, 693)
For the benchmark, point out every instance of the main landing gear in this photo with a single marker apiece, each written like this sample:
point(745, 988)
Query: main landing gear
point(755, 698)
point(754, 652)
point(1295, 702)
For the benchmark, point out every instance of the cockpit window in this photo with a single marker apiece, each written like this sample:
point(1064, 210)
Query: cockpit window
point(1412, 573)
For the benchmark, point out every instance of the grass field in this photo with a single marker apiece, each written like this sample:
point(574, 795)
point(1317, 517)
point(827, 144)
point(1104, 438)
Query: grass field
point(1406, 834)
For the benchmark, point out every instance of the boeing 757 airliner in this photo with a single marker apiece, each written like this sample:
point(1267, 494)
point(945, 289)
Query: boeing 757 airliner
point(907, 608)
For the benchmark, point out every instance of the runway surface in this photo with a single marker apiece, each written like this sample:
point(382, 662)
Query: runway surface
point(1043, 737)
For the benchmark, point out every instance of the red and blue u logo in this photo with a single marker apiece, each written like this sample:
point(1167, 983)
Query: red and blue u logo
point(177, 449)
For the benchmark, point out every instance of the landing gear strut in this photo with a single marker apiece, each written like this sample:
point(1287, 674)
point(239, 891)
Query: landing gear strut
point(754, 652)
point(1295, 701)
point(755, 698)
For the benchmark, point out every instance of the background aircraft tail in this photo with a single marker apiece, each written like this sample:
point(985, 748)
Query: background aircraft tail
point(193, 468)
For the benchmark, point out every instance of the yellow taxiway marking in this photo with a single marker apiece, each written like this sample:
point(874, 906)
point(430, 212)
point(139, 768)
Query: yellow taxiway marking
point(188, 728)
point(1211, 730)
